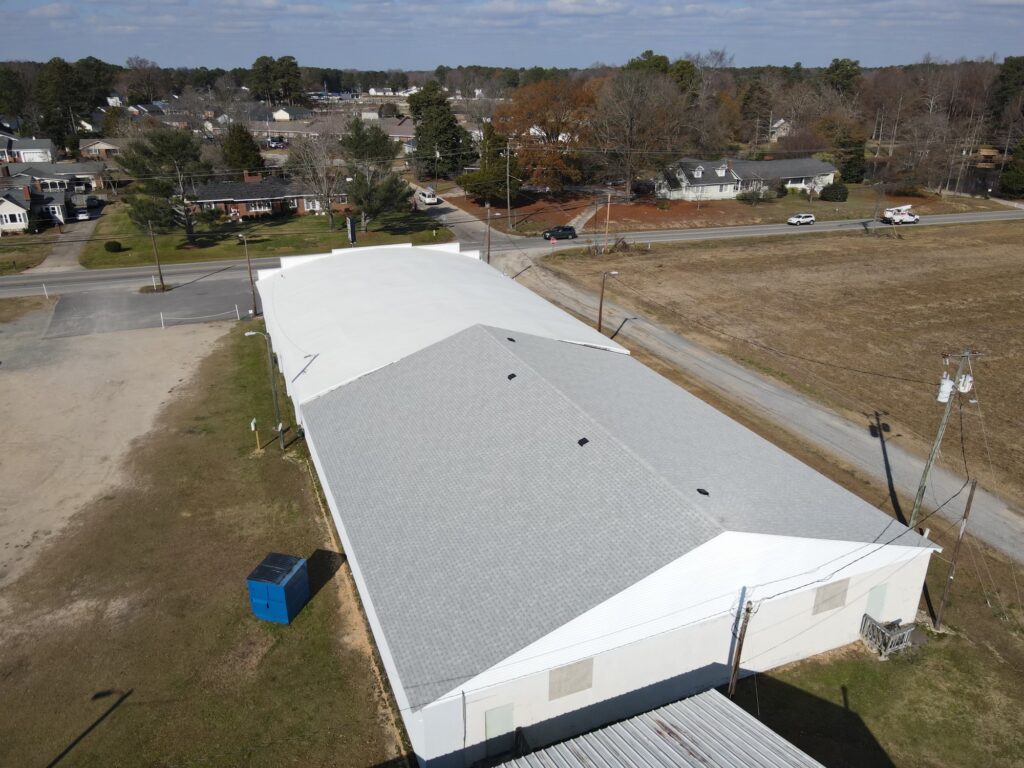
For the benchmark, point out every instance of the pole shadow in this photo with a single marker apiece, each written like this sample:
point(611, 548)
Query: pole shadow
point(110, 710)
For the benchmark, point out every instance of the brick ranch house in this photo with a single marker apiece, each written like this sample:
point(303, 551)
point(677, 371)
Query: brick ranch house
point(257, 197)
point(692, 179)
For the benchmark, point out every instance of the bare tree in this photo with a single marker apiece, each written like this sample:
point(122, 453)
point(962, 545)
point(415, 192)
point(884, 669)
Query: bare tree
point(637, 121)
point(316, 162)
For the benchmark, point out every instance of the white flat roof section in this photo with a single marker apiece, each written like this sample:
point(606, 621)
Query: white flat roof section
point(336, 317)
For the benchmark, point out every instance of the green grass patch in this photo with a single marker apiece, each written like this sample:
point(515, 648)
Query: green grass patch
point(22, 251)
point(270, 237)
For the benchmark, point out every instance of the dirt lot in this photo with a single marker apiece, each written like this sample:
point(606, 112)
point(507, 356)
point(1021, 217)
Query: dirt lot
point(71, 409)
point(532, 217)
point(863, 202)
point(128, 640)
point(824, 314)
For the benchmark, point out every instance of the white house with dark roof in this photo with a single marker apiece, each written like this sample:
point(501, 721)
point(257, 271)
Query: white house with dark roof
point(15, 150)
point(15, 206)
point(546, 535)
point(694, 180)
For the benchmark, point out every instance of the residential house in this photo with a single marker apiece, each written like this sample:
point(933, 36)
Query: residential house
point(114, 100)
point(780, 129)
point(259, 197)
point(14, 150)
point(35, 202)
point(397, 128)
point(380, 92)
point(692, 179)
point(77, 177)
point(145, 110)
point(538, 554)
point(102, 149)
point(94, 122)
point(286, 114)
point(15, 206)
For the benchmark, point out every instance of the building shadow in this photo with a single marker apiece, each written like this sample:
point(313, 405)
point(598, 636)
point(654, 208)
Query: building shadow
point(321, 567)
point(832, 733)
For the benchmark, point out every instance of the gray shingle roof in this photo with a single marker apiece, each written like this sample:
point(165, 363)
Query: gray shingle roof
point(34, 144)
point(16, 198)
point(703, 731)
point(748, 170)
point(269, 188)
point(56, 170)
point(465, 494)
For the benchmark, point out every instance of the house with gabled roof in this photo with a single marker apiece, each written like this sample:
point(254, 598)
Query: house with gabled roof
point(693, 179)
point(33, 150)
point(15, 206)
point(258, 197)
point(546, 535)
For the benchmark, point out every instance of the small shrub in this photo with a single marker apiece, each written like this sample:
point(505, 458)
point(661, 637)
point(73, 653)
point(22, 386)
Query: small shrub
point(836, 192)
point(755, 196)
point(112, 246)
point(782, 190)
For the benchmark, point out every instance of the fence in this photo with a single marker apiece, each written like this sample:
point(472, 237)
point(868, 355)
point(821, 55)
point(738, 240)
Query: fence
point(165, 320)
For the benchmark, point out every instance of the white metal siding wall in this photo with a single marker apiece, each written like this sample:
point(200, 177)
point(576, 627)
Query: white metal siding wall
point(783, 630)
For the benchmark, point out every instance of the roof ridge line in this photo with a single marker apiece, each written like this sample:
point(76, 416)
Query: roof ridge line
point(664, 480)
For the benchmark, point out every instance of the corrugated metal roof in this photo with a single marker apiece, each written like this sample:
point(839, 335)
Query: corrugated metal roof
point(465, 493)
point(703, 731)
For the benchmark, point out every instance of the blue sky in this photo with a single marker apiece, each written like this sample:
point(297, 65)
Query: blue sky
point(422, 34)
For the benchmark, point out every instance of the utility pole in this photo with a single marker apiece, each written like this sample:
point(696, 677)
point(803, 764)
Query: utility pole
point(965, 357)
point(248, 264)
point(607, 219)
point(739, 648)
point(956, 553)
point(488, 231)
point(508, 183)
point(156, 255)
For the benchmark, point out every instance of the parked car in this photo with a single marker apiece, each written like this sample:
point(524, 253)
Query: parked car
point(428, 196)
point(82, 216)
point(561, 232)
point(801, 218)
point(277, 142)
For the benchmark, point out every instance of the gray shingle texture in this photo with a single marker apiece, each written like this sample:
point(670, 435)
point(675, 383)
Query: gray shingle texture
point(480, 524)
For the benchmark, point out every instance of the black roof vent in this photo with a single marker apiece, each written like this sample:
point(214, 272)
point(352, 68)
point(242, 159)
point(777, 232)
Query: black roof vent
point(511, 376)
point(703, 492)
point(511, 339)
point(582, 441)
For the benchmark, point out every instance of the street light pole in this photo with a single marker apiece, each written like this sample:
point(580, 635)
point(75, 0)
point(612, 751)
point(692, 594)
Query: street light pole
point(273, 384)
point(248, 264)
point(600, 302)
point(488, 231)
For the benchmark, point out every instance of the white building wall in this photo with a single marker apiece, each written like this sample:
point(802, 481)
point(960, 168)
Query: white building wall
point(12, 217)
point(34, 155)
point(645, 653)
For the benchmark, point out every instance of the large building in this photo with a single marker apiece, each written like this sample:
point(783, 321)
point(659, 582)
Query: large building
point(546, 535)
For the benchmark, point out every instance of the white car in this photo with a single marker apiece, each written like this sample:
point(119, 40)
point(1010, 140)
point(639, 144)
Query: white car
point(427, 197)
point(801, 218)
point(82, 216)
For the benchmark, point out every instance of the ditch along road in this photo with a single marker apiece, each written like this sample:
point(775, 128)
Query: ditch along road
point(993, 520)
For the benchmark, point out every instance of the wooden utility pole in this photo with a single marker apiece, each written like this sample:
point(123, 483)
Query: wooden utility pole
point(956, 553)
point(607, 220)
point(508, 183)
point(965, 356)
point(739, 648)
point(156, 255)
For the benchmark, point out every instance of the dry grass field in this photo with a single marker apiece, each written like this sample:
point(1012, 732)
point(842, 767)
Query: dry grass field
point(826, 314)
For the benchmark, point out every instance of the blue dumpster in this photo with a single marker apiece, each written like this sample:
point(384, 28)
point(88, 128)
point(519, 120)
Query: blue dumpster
point(278, 588)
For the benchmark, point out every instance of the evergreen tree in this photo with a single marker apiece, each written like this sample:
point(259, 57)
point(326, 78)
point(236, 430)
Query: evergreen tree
point(369, 154)
point(12, 93)
point(1011, 181)
point(649, 61)
point(443, 147)
point(165, 163)
point(54, 93)
point(489, 183)
point(240, 150)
